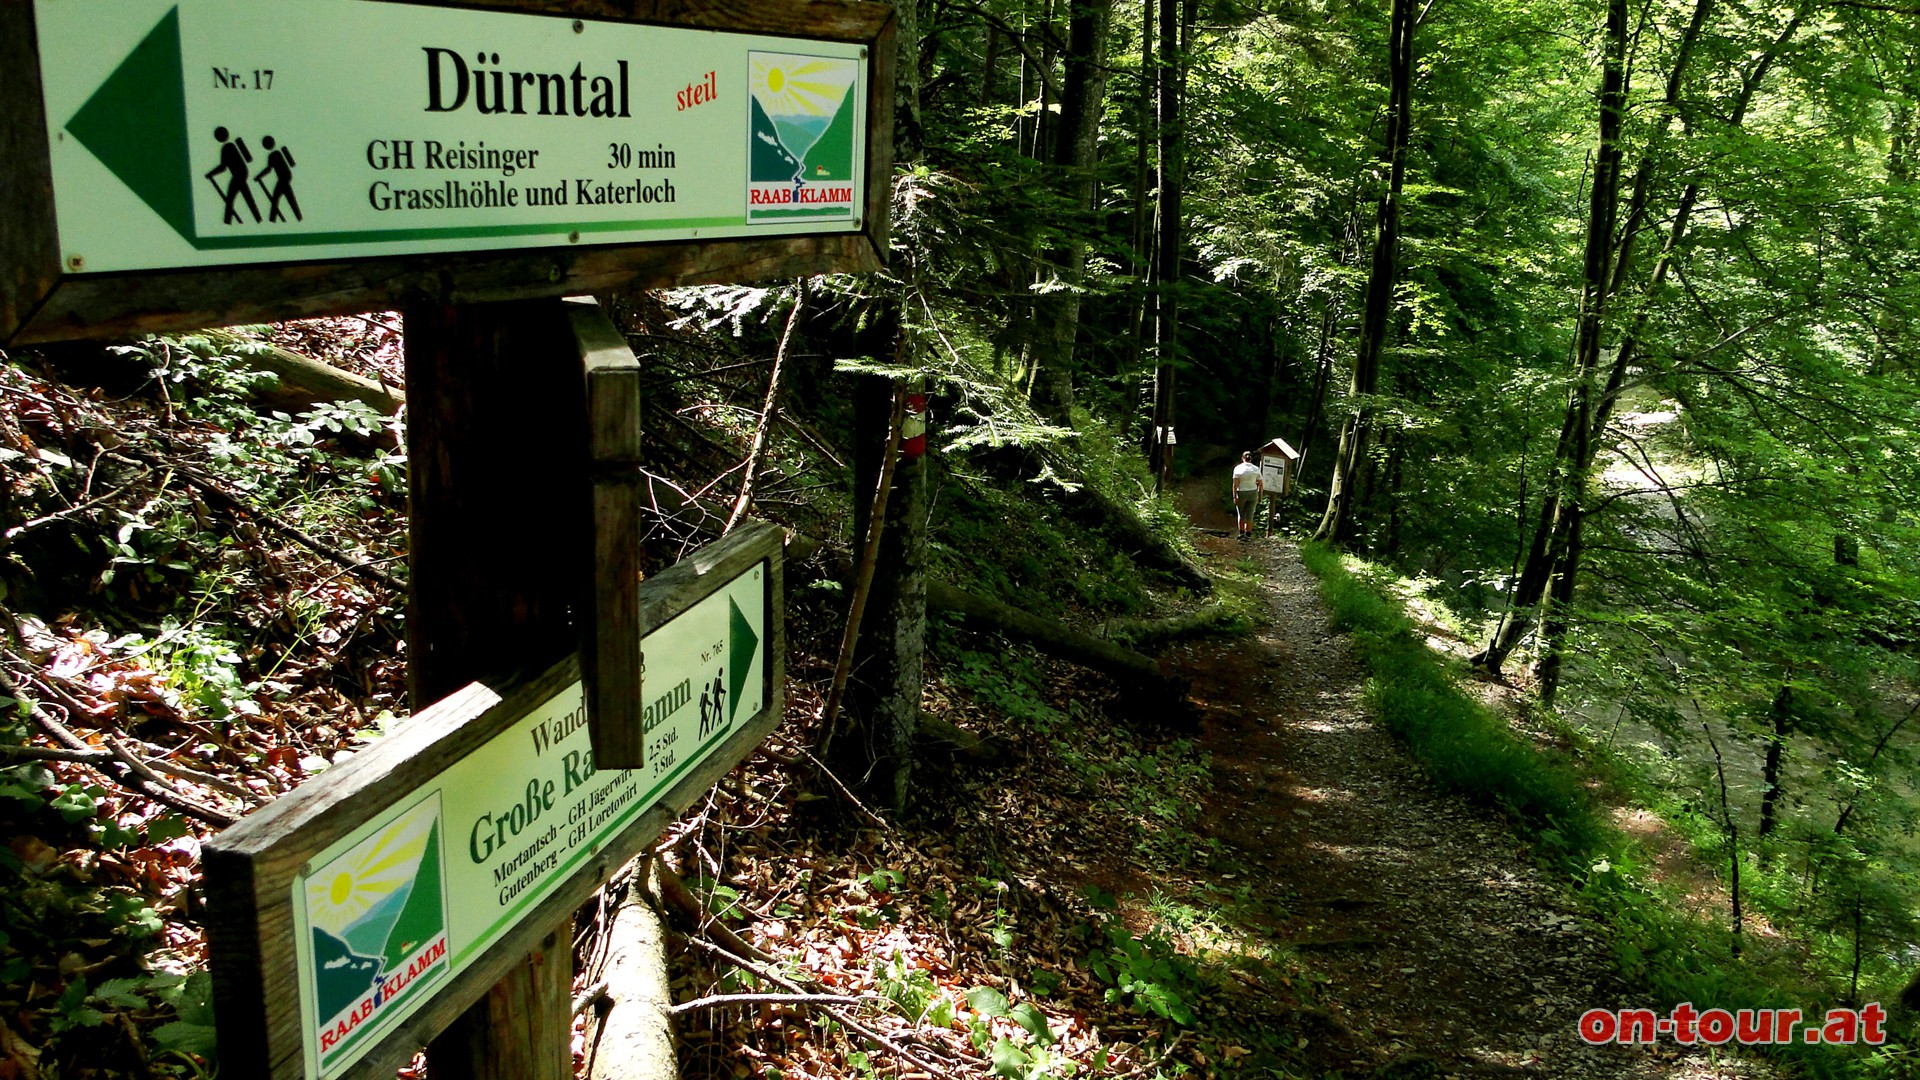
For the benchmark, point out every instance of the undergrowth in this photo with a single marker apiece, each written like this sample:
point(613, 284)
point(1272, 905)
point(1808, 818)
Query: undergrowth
point(1658, 940)
point(1171, 953)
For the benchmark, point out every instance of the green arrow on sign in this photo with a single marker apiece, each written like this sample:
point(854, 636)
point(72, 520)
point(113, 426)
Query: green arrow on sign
point(742, 643)
point(136, 124)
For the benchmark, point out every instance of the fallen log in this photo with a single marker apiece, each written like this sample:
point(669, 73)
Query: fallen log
point(629, 1035)
point(303, 382)
point(956, 739)
point(1138, 632)
point(1161, 691)
point(1095, 511)
point(1134, 536)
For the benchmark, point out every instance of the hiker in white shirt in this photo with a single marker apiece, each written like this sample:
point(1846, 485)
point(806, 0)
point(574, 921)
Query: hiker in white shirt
point(1247, 489)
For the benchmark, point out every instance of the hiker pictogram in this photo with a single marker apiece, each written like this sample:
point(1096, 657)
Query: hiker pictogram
point(279, 165)
point(234, 159)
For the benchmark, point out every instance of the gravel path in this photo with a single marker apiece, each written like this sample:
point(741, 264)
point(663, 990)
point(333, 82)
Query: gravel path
point(1448, 951)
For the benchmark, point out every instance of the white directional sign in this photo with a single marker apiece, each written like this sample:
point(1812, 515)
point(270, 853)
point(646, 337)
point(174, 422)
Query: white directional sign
point(219, 132)
point(397, 908)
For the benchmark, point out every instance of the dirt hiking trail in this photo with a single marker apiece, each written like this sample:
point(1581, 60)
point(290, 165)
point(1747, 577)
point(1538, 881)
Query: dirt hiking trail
point(1448, 951)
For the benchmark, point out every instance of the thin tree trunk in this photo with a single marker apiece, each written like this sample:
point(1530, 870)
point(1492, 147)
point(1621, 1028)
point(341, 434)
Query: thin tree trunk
point(1396, 462)
point(1322, 375)
point(888, 654)
point(990, 66)
point(1142, 234)
point(1337, 524)
point(1170, 138)
point(757, 454)
point(1770, 787)
point(1082, 102)
point(1628, 351)
point(1853, 983)
point(868, 528)
point(1553, 633)
point(1732, 830)
point(1044, 135)
point(1642, 188)
point(1564, 477)
point(1335, 309)
point(1840, 825)
point(889, 659)
point(1588, 413)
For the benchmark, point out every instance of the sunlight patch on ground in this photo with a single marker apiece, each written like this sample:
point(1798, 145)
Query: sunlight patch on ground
point(1396, 856)
point(1322, 795)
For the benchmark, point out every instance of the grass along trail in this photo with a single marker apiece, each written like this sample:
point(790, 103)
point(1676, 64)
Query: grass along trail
point(1447, 951)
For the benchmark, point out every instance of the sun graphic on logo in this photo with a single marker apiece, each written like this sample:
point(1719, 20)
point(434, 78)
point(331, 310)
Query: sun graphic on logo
point(799, 86)
point(348, 887)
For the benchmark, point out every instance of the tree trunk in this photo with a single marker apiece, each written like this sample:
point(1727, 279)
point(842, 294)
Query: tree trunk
point(1553, 633)
point(1322, 375)
point(875, 758)
point(1770, 788)
point(1642, 189)
point(1083, 100)
point(630, 1037)
point(1337, 523)
point(1170, 137)
point(1044, 135)
point(1140, 311)
point(989, 66)
point(889, 670)
point(1396, 463)
point(1588, 412)
point(906, 83)
point(1565, 478)
point(302, 382)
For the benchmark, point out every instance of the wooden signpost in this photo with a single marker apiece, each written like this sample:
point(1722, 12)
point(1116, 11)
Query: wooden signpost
point(177, 164)
point(361, 913)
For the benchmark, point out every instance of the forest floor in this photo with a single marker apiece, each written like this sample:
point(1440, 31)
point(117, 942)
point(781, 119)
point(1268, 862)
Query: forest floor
point(1445, 947)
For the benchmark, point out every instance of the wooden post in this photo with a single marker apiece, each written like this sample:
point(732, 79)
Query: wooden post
point(610, 647)
point(500, 560)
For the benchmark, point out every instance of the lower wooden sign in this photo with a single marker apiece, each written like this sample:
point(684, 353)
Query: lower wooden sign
point(353, 919)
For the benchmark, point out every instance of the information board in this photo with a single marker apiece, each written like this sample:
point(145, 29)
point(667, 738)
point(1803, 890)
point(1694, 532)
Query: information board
point(1273, 477)
point(215, 132)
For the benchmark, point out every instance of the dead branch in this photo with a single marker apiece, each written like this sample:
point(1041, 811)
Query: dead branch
point(869, 556)
point(910, 1056)
point(240, 508)
point(718, 1001)
point(672, 891)
point(44, 520)
point(591, 997)
point(121, 769)
point(850, 796)
point(757, 454)
point(808, 436)
point(54, 753)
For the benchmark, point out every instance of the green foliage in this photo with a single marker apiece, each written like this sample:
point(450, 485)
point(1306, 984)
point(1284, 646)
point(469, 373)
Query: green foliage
point(1146, 973)
point(1460, 743)
point(1057, 563)
point(1023, 1056)
point(1010, 683)
point(1659, 937)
